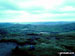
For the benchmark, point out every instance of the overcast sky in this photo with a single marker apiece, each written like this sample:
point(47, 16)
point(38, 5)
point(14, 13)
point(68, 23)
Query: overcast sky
point(37, 10)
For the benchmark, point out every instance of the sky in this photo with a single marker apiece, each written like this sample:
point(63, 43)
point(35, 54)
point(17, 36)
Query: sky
point(37, 10)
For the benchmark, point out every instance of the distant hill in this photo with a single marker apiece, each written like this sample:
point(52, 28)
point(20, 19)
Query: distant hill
point(42, 26)
point(45, 23)
point(4, 25)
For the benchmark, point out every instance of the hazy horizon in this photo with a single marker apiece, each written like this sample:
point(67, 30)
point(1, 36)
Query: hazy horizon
point(33, 21)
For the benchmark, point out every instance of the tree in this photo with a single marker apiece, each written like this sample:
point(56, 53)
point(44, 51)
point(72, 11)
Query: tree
point(3, 32)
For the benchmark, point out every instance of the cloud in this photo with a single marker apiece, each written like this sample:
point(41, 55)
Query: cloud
point(47, 4)
point(36, 10)
point(7, 5)
point(24, 4)
point(68, 8)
